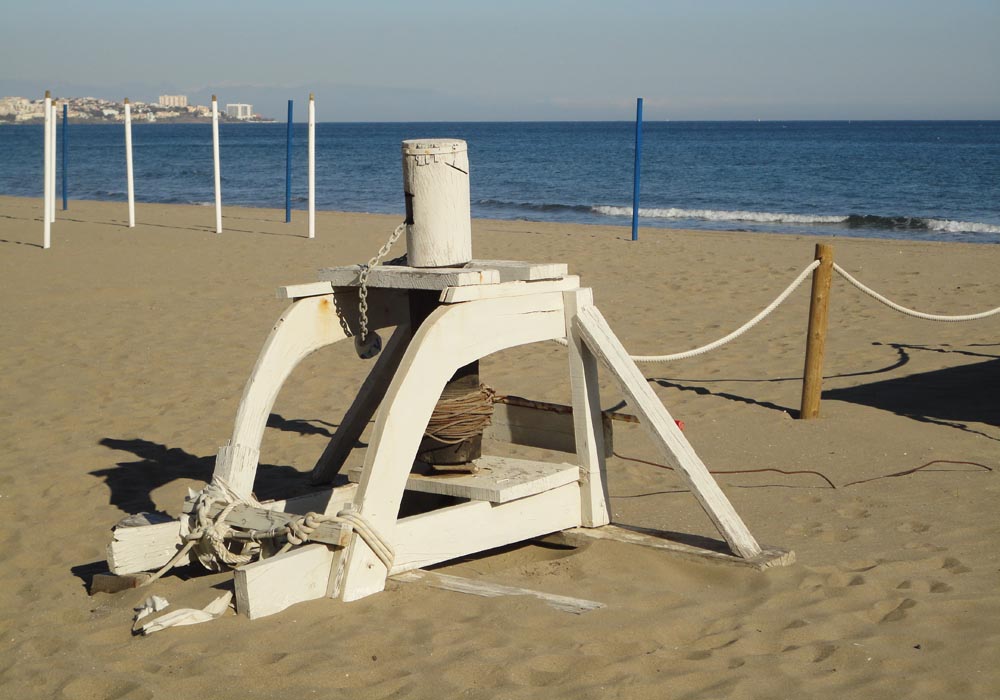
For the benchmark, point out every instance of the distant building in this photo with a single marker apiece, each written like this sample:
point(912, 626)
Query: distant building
point(173, 101)
point(239, 111)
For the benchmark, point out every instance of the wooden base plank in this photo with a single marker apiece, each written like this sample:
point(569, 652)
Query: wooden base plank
point(112, 583)
point(269, 586)
point(455, 295)
point(712, 551)
point(576, 606)
point(518, 270)
point(498, 480)
point(402, 277)
point(143, 547)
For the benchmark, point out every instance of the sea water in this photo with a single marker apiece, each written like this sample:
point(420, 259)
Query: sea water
point(928, 180)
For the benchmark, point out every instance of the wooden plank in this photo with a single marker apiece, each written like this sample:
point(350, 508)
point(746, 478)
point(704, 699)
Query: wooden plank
point(451, 337)
point(544, 425)
point(499, 479)
point(455, 295)
point(402, 277)
point(306, 326)
point(269, 586)
point(587, 416)
point(576, 606)
point(679, 453)
point(448, 533)
point(363, 407)
point(327, 501)
point(769, 556)
point(518, 270)
point(264, 520)
point(309, 289)
point(143, 547)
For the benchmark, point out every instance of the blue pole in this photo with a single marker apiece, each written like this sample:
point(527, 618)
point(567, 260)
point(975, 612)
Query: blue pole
point(64, 135)
point(288, 168)
point(638, 162)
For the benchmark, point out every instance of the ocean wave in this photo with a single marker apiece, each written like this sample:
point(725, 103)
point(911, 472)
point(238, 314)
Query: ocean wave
point(721, 215)
point(532, 206)
point(862, 221)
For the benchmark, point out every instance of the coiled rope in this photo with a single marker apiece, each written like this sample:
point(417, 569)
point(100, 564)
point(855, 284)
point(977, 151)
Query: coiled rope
point(910, 312)
point(462, 417)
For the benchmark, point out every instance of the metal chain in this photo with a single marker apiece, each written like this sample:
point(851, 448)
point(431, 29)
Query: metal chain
point(363, 279)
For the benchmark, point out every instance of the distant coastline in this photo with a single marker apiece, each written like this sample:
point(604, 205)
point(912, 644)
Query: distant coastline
point(93, 110)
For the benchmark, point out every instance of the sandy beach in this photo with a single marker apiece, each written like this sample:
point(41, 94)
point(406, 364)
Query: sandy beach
point(124, 353)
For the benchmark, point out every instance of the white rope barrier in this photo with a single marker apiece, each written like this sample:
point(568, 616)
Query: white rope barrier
point(910, 312)
point(739, 331)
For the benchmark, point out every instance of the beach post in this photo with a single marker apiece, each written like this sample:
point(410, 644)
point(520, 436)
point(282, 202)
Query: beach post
point(288, 166)
point(312, 166)
point(637, 168)
point(215, 157)
point(52, 170)
point(128, 164)
point(46, 165)
point(436, 189)
point(812, 382)
point(64, 141)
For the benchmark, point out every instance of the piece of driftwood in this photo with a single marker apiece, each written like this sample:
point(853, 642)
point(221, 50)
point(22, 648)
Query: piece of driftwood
point(143, 547)
point(576, 606)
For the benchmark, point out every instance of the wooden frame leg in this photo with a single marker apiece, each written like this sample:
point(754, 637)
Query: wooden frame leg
point(587, 420)
point(306, 326)
point(362, 409)
point(591, 326)
point(452, 336)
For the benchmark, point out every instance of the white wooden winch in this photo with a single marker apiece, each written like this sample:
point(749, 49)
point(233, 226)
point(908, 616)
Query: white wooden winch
point(484, 306)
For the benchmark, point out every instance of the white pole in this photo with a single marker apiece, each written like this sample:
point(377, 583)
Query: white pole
point(128, 164)
point(52, 164)
point(312, 166)
point(215, 154)
point(46, 164)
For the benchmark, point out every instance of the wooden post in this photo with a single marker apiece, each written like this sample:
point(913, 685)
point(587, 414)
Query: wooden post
point(46, 180)
point(436, 186)
point(312, 166)
point(128, 164)
point(215, 156)
point(812, 383)
point(52, 167)
point(637, 168)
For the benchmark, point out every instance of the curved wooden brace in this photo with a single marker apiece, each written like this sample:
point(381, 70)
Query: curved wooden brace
point(451, 337)
point(307, 325)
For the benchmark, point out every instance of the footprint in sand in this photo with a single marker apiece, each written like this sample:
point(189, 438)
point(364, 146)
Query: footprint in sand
point(898, 612)
point(954, 566)
point(913, 526)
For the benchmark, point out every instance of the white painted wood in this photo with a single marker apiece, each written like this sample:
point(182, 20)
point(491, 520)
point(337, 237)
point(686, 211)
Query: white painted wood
point(265, 519)
point(436, 187)
point(215, 160)
point(326, 502)
point(363, 407)
point(587, 418)
point(768, 558)
point(130, 184)
point(454, 295)
point(143, 547)
point(547, 426)
point(451, 337)
point(309, 289)
point(402, 277)
point(487, 589)
point(53, 120)
point(592, 327)
point(270, 585)
point(442, 535)
point(312, 166)
point(48, 195)
point(499, 479)
point(307, 325)
point(517, 270)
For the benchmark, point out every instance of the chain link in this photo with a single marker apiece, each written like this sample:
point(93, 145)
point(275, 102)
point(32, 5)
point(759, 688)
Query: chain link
point(363, 279)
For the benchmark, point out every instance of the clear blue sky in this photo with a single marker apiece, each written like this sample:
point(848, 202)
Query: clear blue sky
point(521, 59)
